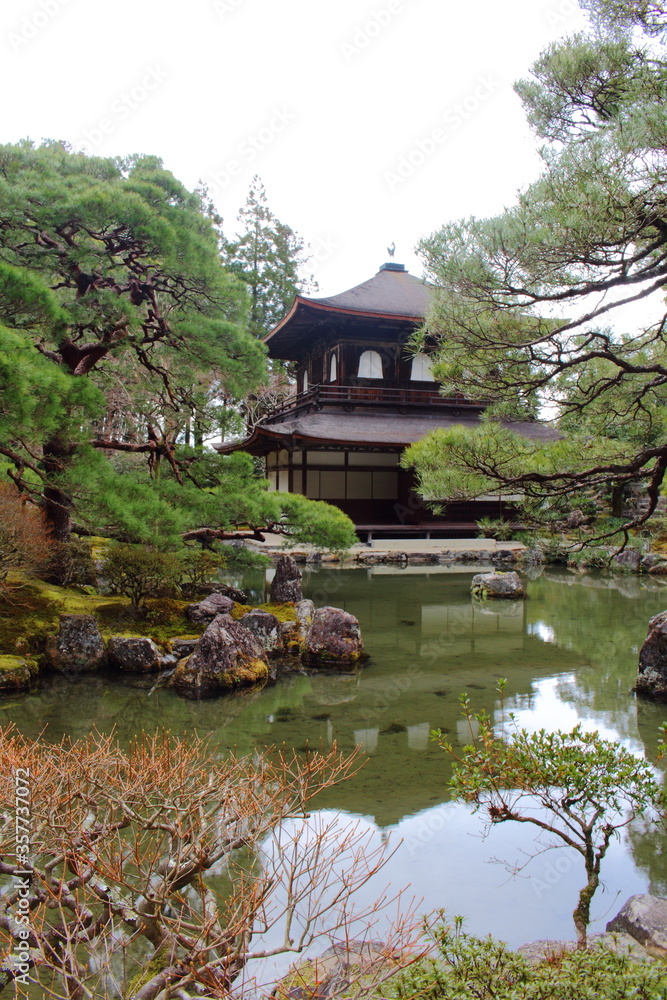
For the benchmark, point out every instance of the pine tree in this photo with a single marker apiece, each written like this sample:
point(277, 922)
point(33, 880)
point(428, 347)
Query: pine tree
point(527, 297)
point(118, 325)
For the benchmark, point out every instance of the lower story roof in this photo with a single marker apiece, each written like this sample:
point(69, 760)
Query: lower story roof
point(364, 430)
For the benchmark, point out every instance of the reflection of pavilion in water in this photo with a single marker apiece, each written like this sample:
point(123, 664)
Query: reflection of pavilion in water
point(428, 642)
point(450, 631)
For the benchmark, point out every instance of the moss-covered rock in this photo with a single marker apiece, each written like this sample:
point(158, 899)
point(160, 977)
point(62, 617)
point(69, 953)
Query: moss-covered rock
point(295, 630)
point(135, 654)
point(267, 631)
point(226, 657)
point(333, 640)
point(16, 673)
point(493, 586)
point(78, 647)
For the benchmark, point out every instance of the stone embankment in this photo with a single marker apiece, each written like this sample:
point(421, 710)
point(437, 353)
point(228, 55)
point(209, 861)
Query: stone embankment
point(472, 551)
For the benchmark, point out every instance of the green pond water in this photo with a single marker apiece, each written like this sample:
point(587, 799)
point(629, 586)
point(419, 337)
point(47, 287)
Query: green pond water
point(569, 653)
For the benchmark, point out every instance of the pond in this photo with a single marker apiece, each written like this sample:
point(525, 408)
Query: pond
point(569, 653)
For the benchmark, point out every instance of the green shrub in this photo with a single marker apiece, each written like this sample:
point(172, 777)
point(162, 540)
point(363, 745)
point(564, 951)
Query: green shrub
point(138, 572)
point(239, 558)
point(592, 557)
point(72, 564)
point(198, 567)
point(490, 527)
point(470, 968)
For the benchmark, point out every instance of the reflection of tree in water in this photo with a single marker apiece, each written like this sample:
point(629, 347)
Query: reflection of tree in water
point(603, 619)
point(649, 850)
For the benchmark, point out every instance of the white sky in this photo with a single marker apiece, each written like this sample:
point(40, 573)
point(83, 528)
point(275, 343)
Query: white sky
point(325, 101)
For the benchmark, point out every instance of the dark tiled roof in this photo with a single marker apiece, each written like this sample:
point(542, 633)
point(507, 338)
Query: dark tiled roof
point(391, 430)
point(390, 293)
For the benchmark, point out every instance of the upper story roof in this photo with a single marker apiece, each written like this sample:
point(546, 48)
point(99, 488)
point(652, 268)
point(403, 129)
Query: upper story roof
point(392, 294)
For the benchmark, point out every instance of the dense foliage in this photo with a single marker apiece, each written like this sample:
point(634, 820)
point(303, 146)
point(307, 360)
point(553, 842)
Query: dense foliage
point(24, 540)
point(526, 299)
point(470, 968)
point(123, 340)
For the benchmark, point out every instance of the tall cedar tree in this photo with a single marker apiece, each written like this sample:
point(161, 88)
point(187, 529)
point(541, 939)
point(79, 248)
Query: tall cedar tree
point(268, 257)
point(111, 286)
point(587, 237)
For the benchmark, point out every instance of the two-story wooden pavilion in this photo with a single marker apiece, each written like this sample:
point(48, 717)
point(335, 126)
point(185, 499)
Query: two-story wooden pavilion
point(361, 398)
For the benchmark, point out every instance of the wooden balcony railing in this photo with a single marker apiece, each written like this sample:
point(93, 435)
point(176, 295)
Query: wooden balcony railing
point(374, 394)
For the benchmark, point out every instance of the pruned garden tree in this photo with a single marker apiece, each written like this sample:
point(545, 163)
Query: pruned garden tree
point(120, 329)
point(575, 788)
point(156, 872)
point(526, 302)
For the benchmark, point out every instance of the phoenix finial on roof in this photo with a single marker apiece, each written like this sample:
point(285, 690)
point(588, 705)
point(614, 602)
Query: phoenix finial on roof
point(391, 250)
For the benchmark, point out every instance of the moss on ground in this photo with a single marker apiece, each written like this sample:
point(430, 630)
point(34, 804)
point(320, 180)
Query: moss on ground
point(10, 663)
point(31, 611)
point(283, 612)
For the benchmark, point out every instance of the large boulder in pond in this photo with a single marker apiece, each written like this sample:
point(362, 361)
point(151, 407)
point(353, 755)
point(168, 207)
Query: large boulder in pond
point(286, 584)
point(205, 611)
point(266, 629)
point(644, 917)
point(334, 639)
point(78, 647)
point(494, 586)
point(652, 674)
point(136, 654)
point(227, 656)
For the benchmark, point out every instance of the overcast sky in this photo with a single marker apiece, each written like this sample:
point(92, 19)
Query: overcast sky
point(368, 122)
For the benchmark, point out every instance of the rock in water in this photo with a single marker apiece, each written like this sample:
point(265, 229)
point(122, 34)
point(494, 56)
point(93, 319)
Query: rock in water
point(226, 657)
point(206, 610)
point(295, 633)
point(644, 917)
point(652, 675)
point(266, 629)
point(286, 584)
point(78, 647)
point(497, 585)
point(628, 560)
point(334, 639)
point(138, 654)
